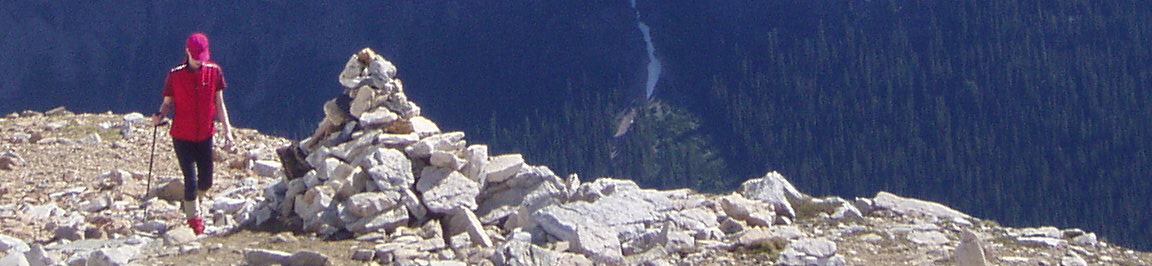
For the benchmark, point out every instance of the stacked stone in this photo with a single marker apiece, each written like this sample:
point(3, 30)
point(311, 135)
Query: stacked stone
point(398, 170)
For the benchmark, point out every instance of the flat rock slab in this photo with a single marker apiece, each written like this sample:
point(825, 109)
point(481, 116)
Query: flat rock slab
point(889, 201)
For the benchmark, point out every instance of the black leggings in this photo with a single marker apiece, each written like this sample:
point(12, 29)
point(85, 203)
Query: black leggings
point(194, 154)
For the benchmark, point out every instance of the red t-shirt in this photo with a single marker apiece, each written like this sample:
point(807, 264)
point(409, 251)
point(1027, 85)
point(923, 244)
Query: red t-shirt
point(193, 95)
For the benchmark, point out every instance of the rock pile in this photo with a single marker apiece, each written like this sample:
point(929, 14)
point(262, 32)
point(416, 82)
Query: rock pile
point(385, 181)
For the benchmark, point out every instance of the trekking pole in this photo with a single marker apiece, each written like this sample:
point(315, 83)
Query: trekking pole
point(151, 159)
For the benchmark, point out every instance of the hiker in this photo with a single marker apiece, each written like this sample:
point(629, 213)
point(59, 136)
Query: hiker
point(364, 72)
point(195, 89)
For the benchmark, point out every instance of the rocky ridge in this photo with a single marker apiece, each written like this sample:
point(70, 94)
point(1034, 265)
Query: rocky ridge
point(400, 191)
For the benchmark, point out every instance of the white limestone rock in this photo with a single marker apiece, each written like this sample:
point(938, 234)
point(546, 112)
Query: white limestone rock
point(379, 117)
point(415, 207)
point(889, 201)
point(451, 142)
point(267, 168)
point(388, 220)
point(477, 158)
point(37, 256)
point(1072, 259)
point(463, 220)
point(774, 189)
point(603, 187)
point(307, 257)
point(754, 213)
point(347, 180)
point(228, 205)
point(446, 159)
point(389, 169)
point(934, 238)
point(313, 202)
point(134, 118)
point(13, 245)
point(372, 203)
point(970, 252)
point(92, 139)
point(818, 251)
point(14, 259)
point(1034, 241)
point(423, 127)
point(599, 244)
point(264, 257)
point(444, 189)
point(397, 140)
point(502, 167)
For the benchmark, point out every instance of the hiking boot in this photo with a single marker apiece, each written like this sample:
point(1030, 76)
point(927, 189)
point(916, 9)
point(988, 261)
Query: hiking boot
point(197, 225)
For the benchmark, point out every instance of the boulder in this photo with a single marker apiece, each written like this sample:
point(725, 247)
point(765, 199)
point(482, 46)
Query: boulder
point(264, 257)
point(603, 187)
point(389, 169)
point(379, 117)
point(37, 256)
point(521, 252)
point(422, 126)
point(444, 189)
point(451, 141)
point(362, 101)
point(598, 243)
point(179, 236)
point(397, 140)
point(901, 205)
point(620, 212)
point(373, 203)
point(10, 244)
point(112, 256)
point(171, 190)
point(20, 137)
point(41, 213)
point(228, 205)
point(502, 167)
point(314, 201)
point(462, 220)
point(362, 143)
point(811, 252)
point(754, 213)
point(700, 221)
point(970, 252)
point(134, 118)
point(267, 168)
point(347, 180)
point(10, 160)
point(773, 189)
point(447, 159)
point(388, 220)
point(415, 207)
point(92, 139)
point(477, 158)
point(14, 259)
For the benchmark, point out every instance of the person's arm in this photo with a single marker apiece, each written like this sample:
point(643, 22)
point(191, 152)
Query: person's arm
point(222, 115)
point(165, 108)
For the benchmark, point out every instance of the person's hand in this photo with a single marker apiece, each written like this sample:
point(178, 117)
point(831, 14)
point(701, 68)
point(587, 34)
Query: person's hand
point(229, 140)
point(156, 119)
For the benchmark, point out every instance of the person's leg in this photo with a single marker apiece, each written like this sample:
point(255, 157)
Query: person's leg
point(185, 157)
point(204, 166)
